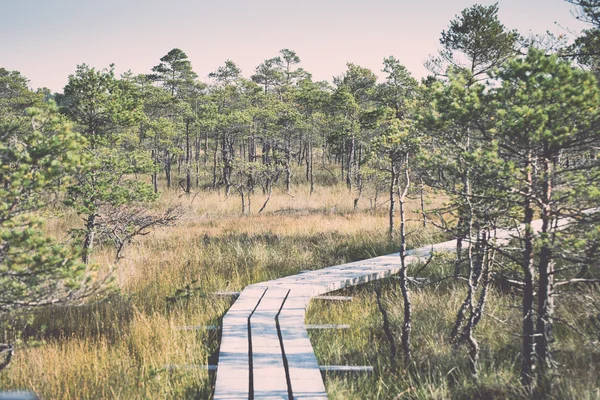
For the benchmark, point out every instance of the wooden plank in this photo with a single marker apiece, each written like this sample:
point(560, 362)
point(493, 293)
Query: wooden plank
point(226, 294)
point(198, 328)
point(346, 368)
point(233, 377)
point(327, 326)
point(333, 298)
point(305, 377)
point(268, 371)
point(189, 367)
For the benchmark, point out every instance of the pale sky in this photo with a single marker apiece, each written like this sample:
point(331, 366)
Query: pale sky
point(46, 39)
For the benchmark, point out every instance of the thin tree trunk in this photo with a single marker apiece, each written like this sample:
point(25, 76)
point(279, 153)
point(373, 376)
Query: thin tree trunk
point(215, 160)
point(393, 179)
point(350, 164)
point(312, 176)
point(422, 187)
point(205, 147)
point(545, 307)
point(306, 159)
point(323, 149)
point(461, 222)
point(386, 327)
point(241, 192)
point(188, 160)
point(270, 189)
point(528, 363)
point(406, 327)
point(288, 164)
point(88, 242)
point(472, 284)
point(155, 170)
point(197, 157)
point(168, 169)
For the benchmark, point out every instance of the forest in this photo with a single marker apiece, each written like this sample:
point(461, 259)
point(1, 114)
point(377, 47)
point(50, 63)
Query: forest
point(127, 201)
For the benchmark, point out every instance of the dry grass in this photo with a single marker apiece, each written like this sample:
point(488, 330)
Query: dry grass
point(121, 347)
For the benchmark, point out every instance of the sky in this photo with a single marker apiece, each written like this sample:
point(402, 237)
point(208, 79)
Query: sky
point(46, 39)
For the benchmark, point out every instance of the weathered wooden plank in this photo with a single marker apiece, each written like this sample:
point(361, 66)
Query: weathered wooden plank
point(233, 378)
point(333, 298)
point(346, 368)
point(327, 326)
point(268, 371)
point(189, 367)
point(303, 369)
point(227, 294)
point(198, 328)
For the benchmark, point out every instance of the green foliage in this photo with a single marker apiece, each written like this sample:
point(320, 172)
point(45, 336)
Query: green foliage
point(543, 100)
point(37, 161)
point(104, 181)
point(99, 104)
point(475, 41)
point(15, 96)
point(399, 87)
point(176, 74)
point(103, 109)
point(227, 74)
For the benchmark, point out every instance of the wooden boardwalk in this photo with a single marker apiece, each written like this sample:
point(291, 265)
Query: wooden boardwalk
point(265, 351)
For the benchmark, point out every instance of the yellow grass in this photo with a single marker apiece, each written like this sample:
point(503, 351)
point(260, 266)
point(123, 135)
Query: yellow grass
point(123, 346)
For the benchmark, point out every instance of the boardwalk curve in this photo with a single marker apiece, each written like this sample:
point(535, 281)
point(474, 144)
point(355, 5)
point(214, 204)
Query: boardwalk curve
point(265, 350)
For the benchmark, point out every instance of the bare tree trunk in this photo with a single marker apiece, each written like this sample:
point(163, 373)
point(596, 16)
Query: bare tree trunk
point(88, 242)
point(205, 147)
point(306, 159)
point(8, 349)
point(241, 192)
point(422, 193)
point(406, 327)
point(270, 189)
point(461, 223)
point(487, 263)
point(459, 242)
point(301, 152)
point(168, 168)
point(215, 160)
point(155, 171)
point(386, 327)
point(312, 176)
point(249, 197)
point(342, 153)
point(350, 164)
point(188, 160)
point(288, 164)
point(528, 364)
point(197, 157)
point(359, 186)
point(323, 148)
point(545, 308)
point(393, 178)
point(472, 284)
point(226, 156)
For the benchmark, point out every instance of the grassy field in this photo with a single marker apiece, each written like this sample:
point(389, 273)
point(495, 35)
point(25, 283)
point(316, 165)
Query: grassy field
point(126, 345)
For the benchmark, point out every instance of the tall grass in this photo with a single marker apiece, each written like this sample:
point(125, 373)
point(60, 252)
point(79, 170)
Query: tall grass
point(128, 346)
point(439, 371)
